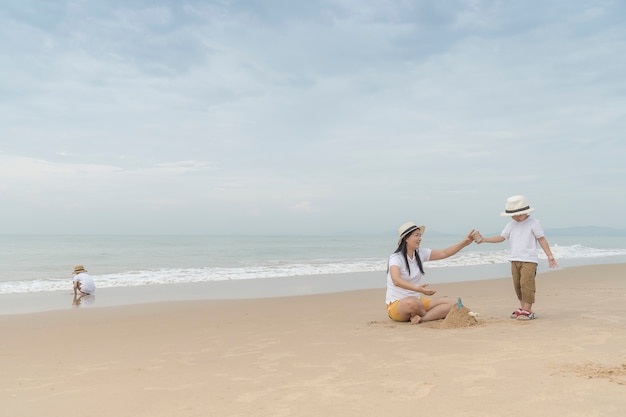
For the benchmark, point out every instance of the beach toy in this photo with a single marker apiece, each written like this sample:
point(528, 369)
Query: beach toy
point(459, 302)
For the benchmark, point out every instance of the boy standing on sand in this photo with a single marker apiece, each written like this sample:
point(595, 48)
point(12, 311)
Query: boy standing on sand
point(523, 232)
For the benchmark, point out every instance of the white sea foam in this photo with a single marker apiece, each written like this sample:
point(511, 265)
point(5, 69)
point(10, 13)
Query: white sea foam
point(270, 269)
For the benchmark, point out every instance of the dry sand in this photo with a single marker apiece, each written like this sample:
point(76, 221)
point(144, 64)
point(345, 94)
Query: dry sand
point(327, 355)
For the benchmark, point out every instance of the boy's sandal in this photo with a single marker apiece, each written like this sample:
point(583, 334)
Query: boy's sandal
point(516, 313)
point(526, 315)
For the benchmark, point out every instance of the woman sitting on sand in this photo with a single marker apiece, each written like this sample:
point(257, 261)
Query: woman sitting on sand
point(404, 273)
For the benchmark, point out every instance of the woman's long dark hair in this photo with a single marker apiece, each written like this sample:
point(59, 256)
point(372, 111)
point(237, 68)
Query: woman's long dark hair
point(402, 248)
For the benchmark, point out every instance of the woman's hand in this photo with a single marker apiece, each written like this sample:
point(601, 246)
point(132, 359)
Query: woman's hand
point(468, 239)
point(425, 291)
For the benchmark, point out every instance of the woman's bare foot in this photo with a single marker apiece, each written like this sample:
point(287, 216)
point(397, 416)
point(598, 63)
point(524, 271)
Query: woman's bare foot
point(416, 319)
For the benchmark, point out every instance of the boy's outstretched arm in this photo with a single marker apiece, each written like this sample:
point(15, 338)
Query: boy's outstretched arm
point(494, 239)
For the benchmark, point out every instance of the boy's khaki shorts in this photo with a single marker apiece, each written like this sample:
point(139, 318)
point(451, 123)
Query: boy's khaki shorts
point(524, 274)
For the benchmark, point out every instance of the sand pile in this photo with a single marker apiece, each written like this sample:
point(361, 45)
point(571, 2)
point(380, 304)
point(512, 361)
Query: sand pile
point(458, 317)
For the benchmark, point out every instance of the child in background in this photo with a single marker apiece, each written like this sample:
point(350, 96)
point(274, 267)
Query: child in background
point(523, 233)
point(84, 286)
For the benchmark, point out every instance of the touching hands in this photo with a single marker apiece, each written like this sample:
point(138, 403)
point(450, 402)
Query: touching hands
point(468, 239)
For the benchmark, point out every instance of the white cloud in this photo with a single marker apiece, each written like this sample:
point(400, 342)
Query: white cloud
point(304, 206)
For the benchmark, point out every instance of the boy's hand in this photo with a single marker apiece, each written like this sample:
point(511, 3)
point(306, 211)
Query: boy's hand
point(552, 262)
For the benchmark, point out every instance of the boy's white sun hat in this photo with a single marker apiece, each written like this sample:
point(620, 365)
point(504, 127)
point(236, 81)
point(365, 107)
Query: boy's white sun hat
point(515, 206)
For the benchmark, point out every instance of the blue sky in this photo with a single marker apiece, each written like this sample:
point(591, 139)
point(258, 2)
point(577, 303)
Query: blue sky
point(309, 117)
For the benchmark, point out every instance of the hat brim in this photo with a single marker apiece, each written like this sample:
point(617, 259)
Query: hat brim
point(421, 229)
point(517, 213)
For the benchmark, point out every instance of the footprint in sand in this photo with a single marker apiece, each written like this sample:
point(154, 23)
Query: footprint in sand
point(424, 389)
point(591, 370)
point(404, 392)
point(381, 324)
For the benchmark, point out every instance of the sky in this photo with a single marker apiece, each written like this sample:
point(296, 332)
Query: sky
point(318, 117)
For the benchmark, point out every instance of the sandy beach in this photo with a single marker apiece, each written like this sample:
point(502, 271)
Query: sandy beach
point(333, 354)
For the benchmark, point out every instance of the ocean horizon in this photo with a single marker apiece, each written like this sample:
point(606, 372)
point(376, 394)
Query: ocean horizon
point(41, 263)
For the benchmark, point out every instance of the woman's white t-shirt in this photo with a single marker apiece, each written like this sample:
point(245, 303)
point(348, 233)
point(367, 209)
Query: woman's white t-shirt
point(414, 276)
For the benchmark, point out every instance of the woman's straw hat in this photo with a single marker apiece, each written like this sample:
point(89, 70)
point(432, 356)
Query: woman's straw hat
point(515, 206)
point(407, 228)
point(78, 269)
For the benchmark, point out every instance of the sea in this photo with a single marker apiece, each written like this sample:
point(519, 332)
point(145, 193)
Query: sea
point(44, 263)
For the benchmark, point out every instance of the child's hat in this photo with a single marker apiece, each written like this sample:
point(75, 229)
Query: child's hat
point(516, 205)
point(78, 269)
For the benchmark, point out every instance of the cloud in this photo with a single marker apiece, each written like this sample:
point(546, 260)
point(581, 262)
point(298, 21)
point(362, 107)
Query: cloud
point(304, 206)
point(310, 116)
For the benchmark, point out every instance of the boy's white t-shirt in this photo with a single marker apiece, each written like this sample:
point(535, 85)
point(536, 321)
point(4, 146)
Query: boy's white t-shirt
point(523, 239)
point(414, 277)
point(87, 285)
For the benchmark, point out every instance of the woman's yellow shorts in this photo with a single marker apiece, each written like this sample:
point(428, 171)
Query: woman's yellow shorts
point(392, 309)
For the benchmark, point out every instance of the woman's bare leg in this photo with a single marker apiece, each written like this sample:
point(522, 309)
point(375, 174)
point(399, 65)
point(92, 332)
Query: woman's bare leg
point(411, 308)
point(438, 309)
